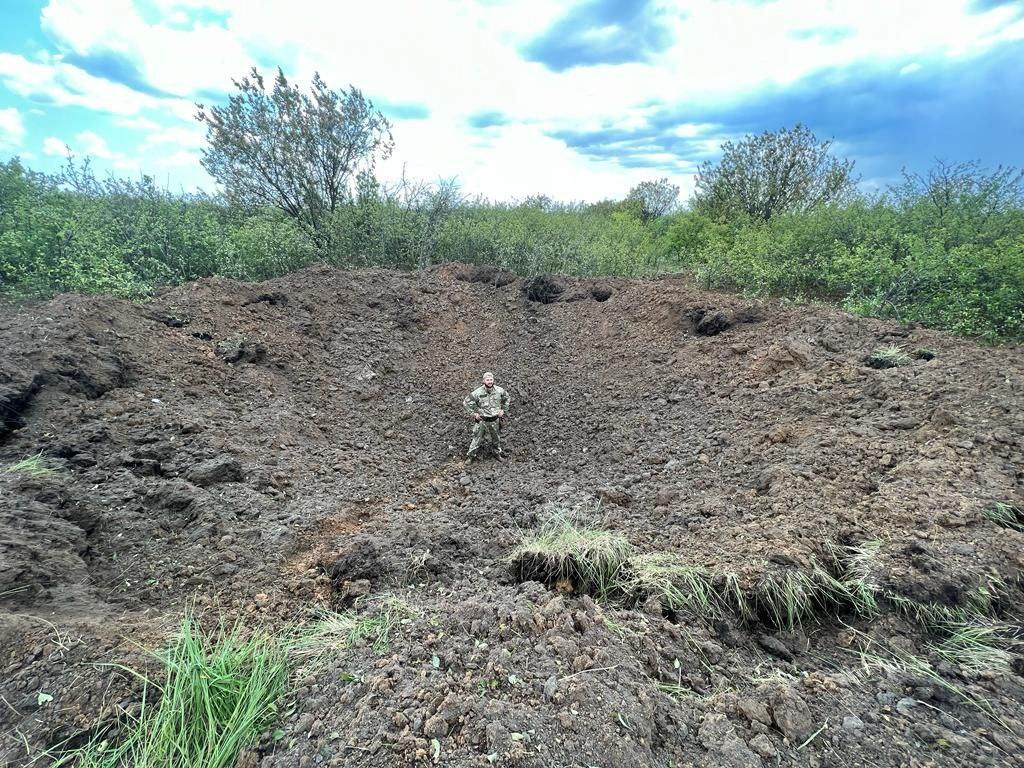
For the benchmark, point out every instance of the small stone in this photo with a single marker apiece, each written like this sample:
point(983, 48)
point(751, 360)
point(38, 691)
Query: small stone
point(853, 724)
point(764, 747)
point(755, 711)
point(550, 687)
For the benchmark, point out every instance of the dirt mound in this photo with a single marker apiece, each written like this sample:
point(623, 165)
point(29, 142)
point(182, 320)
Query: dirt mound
point(298, 444)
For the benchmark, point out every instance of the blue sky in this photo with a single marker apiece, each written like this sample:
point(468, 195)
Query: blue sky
point(578, 100)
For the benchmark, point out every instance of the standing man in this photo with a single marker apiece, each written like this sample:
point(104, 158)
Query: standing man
point(487, 405)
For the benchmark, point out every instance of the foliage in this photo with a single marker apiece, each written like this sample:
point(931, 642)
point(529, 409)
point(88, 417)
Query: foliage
point(772, 173)
point(945, 249)
point(219, 693)
point(300, 153)
point(655, 198)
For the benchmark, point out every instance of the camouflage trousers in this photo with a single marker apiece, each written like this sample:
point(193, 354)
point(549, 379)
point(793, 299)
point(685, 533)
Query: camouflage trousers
point(486, 434)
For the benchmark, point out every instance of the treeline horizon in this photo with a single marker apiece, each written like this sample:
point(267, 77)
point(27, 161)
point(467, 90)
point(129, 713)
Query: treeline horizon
point(778, 214)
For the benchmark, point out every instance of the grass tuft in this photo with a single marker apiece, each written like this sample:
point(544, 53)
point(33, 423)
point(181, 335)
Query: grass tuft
point(591, 559)
point(677, 584)
point(219, 693)
point(34, 466)
point(890, 356)
point(1005, 515)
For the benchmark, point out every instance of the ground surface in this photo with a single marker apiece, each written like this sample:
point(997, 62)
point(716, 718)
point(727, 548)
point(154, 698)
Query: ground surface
point(271, 449)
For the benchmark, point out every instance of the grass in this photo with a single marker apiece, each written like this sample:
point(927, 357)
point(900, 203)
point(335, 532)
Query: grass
point(338, 631)
point(677, 584)
point(1005, 515)
point(220, 691)
point(896, 660)
point(978, 648)
point(34, 466)
point(890, 356)
point(591, 559)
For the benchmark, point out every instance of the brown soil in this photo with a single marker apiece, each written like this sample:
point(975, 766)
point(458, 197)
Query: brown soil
point(269, 450)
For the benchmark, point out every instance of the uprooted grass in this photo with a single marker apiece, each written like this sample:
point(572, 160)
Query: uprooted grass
point(220, 691)
point(34, 466)
point(589, 558)
point(877, 657)
point(339, 631)
point(679, 585)
point(889, 356)
point(1005, 515)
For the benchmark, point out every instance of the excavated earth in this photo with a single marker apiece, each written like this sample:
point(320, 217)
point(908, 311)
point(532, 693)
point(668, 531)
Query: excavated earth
point(270, 451)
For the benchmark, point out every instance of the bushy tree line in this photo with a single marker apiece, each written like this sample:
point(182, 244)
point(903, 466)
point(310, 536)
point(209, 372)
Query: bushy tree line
point(777, 215)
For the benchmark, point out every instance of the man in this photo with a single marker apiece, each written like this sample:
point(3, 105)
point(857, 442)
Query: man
point(486, 404)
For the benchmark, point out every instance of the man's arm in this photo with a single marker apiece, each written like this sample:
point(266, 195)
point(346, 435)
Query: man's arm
point(505, 400)
point(470, 404)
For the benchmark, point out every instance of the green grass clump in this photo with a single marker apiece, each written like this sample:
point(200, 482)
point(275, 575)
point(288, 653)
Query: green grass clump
point(591, 559)
point(1005, 515)
point(34, 466)
point(890, 356)
point(679, 585)
point(220, 691)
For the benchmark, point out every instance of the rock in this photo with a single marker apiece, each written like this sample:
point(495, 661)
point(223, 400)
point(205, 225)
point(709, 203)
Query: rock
point(755, 711)
point(853, 724)
point(764, 747)
point(791, 715)
point(550, 687)
point(221, 469)
point(775, 647)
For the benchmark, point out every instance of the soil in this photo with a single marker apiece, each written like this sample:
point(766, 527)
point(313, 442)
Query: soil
point(267, 451)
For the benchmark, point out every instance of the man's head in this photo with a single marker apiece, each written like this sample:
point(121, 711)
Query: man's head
point(488, 379)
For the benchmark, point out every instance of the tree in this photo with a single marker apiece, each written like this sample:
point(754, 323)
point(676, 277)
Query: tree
point(771, 173)
point(656, 198)
point(296, 151)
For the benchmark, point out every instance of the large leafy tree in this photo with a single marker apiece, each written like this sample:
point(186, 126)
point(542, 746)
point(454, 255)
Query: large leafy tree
point(295, 150)
point(771, 173)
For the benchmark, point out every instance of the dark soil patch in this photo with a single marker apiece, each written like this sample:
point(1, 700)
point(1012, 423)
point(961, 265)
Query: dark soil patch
point(544, 289)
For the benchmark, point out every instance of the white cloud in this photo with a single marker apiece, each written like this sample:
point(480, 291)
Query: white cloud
point(12, 128)
point(54, 147)
point(462, 57)
point(55, 82)
point(89, 144)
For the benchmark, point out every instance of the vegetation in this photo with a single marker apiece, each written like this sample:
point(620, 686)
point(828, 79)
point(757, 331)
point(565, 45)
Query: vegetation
point(778, 215)
point(34, 466)
point(219, 693)
point(564, 550)
point(296, 152)
point(889, 356)
point(764, 176)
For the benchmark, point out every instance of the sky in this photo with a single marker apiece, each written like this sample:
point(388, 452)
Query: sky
point(578, 100)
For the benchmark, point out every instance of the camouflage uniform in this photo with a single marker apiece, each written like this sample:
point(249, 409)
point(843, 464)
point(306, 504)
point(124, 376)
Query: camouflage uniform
point(487, 404)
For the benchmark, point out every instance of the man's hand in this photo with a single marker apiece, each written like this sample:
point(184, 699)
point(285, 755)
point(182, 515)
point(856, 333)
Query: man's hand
point(501, 414)
point(477, 417)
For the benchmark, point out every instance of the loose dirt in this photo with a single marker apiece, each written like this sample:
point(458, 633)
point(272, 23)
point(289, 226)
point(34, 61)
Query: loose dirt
point(267, 451)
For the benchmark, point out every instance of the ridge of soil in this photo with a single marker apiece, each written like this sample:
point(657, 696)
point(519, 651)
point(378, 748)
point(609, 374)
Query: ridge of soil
point(268, 450)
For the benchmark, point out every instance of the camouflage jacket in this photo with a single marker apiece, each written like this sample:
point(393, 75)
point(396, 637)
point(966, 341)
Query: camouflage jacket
point(486, 403)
